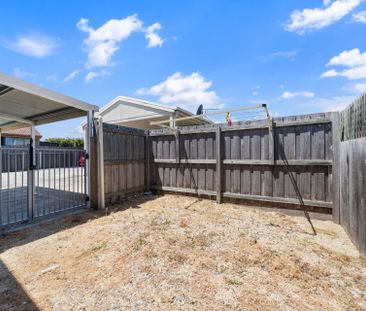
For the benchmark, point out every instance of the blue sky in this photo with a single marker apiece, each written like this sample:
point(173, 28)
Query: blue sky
point(297, 56)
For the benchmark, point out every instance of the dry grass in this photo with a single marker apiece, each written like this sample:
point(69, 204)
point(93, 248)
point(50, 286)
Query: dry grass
point(176, 252)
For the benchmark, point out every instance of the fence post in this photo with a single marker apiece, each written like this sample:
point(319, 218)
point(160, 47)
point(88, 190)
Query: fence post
point(218, 166)
point(147, 161)
point(271, 142)
point(31, 176)
point(335, 167)
point(177, 153)
point(100, 150)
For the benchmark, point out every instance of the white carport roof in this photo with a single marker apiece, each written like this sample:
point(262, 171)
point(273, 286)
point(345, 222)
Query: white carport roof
point(23, 103)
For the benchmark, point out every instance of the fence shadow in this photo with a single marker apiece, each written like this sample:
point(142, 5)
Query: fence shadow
point(12, 295)
point(19, 235)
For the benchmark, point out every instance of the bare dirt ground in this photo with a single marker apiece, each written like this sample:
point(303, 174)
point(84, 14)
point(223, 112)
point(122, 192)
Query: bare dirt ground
point(179, 253)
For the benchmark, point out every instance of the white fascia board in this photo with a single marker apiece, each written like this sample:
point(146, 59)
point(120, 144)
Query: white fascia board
point(83, 124)
point(135, 101)
point(39, 91)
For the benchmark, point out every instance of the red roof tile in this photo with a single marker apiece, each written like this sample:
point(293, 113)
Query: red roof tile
point(23, 132)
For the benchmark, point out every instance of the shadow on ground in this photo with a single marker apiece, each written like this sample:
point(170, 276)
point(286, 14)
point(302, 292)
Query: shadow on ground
point(12, 294)
point(21, 235)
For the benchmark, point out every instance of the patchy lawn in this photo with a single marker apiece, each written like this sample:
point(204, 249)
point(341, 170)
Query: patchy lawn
point(176, 252)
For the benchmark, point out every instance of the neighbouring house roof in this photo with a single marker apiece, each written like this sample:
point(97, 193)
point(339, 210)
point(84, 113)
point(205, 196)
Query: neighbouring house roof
point(152, 111)
point(21, 132)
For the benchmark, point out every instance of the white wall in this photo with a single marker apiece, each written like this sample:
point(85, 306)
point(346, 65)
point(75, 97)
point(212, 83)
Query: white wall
point(125, 111)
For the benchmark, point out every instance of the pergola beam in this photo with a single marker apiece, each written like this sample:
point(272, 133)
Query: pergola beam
point(14, 118)
point(198, 116)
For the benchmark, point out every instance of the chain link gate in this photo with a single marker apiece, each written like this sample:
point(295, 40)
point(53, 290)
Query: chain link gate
point(55, 184)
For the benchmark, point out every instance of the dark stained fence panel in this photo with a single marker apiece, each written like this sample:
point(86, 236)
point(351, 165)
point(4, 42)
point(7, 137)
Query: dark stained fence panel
point(295, 165)
point(124, 162)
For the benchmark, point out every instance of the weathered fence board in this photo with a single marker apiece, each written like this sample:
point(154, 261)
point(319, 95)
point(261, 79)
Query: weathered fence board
point(352, 190)
point(124, 162)
point(353, 119)
point(350, 178)
point(291, 161)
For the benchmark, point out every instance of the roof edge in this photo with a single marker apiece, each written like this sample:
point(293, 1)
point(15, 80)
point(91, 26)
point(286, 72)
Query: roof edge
point(33, 89)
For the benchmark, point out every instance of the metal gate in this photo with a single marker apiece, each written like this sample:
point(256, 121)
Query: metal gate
point(55, 184)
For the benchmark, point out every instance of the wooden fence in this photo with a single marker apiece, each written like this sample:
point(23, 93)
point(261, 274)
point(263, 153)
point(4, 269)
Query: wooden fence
point(352, 171)
point(289, 161)
point(124, 162)
point(353, 190)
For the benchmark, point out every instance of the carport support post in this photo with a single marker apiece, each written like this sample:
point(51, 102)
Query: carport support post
point(92, 163)
point(32, 165)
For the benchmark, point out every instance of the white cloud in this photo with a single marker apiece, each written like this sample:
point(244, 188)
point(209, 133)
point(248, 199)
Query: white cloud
point(19, 73)
point(104, 41)
point(288, 95)
point(355, 73)
point(92, 75)
point(71, 76)
point(330, 73)
point(334, 103)
point(34, 45)
point(349, 58)
point(359, 87)
point(284, 54)
point(52, 78)
point(255, 92)
point(151, 35)
point(309, 19)
point(360, 17)
point(354, 60)
point(327, 2)
point(186, 91)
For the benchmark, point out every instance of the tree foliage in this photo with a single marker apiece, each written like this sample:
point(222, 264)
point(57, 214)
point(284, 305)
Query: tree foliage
point(67, 142)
